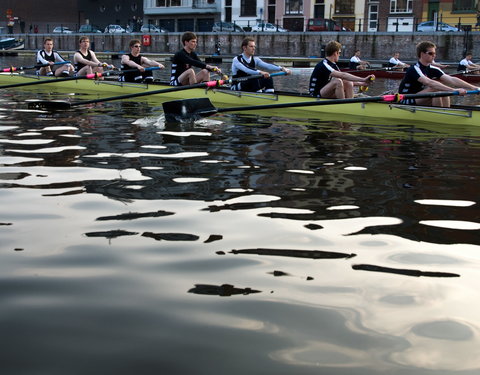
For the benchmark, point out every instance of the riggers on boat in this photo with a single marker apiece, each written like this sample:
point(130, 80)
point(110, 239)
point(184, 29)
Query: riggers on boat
point(390, 73)
point(224, 97)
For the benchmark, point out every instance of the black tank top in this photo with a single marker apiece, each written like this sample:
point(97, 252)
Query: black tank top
point(250, 65)
point(134, 75)
point(88, 57)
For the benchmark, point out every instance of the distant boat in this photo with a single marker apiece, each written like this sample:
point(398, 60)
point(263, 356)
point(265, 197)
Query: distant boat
point(11, 43)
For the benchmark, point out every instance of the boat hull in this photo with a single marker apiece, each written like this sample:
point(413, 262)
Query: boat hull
point(221, 97)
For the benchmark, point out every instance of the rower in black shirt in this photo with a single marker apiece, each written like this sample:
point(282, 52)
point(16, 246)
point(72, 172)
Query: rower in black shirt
point(424, 77)
point(184, 61)
point(135, 63)
point(327, 81)
point(86, 61)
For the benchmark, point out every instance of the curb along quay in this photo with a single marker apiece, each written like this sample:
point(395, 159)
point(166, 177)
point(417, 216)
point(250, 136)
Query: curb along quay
point(295, 45)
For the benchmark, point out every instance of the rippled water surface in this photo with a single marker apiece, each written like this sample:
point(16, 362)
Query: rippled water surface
point(239, 244)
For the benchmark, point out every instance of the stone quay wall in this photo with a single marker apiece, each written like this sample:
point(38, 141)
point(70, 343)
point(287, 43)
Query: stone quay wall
point(373, 46)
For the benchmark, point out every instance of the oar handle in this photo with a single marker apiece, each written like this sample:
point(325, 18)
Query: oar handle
point(246, 78)
point(14, 69)
point(400, 97)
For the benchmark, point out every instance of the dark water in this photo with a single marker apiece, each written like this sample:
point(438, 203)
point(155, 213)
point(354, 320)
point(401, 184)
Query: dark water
point(239, 244)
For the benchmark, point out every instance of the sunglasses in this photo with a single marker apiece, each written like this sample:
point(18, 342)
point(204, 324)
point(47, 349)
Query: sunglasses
point(431, 53)
point(136, 46)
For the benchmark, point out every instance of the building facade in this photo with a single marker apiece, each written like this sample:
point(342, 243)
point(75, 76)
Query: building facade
point(200, 15)
point(182, 15)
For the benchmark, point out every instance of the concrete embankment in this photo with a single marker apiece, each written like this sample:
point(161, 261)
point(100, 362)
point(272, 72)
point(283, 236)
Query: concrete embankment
point(374, 46)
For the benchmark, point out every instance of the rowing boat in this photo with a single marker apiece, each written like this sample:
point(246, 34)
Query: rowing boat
point(397, 74)
point(222, 97)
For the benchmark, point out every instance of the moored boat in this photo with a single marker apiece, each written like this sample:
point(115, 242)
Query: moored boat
point(223, 97)
point(11, 43)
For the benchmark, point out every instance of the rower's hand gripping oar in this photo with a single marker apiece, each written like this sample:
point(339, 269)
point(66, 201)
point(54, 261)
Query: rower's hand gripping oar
point(365, 88)
point(59, 104)
point(202, 107)
point(38, 66)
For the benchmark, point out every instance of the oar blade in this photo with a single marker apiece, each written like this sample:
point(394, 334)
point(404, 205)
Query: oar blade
point(50, 105)
point(184, 109)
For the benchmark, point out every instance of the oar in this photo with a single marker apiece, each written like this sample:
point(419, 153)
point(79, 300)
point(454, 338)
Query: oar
point(60, 104)
point(14, 69)
point(371, 70)
point(47, 80)
point(202, 107)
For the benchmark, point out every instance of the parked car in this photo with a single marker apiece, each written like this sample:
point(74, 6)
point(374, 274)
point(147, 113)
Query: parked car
point(324, 24)
point(62, 30)
point(89, 29)
point(430, 26)
point(226, 27)
point(268, 27)
point(152, 29)
point(113, 29)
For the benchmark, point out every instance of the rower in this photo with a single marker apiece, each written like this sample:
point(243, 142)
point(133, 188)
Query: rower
point(327, 81)
point(467, 65)
point(48, 56)
point(395, 63)
point(356, 63)
point(247, 64)
point(184, 60)
point(135, 63)
point(86, 61)
point(423, 77)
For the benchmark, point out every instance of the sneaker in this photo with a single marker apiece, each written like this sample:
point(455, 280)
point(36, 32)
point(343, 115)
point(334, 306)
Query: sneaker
point(65, 73)
point(50, 74)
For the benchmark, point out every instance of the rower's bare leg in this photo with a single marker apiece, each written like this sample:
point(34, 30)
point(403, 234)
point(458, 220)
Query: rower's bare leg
point(85, 70)
point(203, 75)
point(441, 102)
point(333, 89)
point(187, 77)
point(348, 89)
point(44, 70)
point(64, 68)
point(436, 102)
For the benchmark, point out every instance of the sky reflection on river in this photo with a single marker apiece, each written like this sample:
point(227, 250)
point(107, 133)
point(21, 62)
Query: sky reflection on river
point(240, 244)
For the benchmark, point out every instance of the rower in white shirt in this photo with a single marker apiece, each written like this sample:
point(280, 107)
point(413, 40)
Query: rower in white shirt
point(395, 63)
point(467, 65)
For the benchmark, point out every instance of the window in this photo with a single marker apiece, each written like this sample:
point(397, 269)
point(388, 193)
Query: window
point(169, 3)
point(248, 8)
point(293, 6)
point(462, 5)
point(344, 6)
point(401, 6)
point(373, 17)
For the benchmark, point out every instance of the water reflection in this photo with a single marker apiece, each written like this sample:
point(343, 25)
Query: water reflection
point(109, 214)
